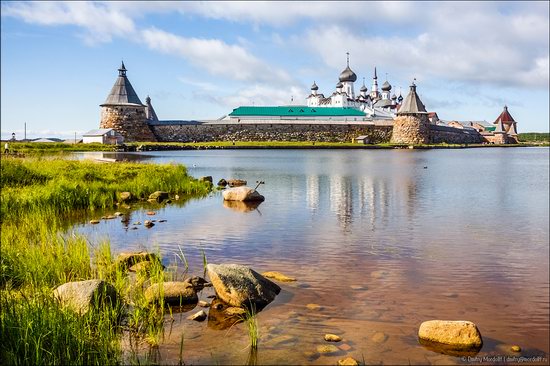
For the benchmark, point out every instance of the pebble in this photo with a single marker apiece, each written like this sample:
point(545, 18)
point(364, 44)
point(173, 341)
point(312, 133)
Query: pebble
point(203, 304)
point(344, 347)
point(278, 276)
point(110, 217)
point(94, 222)
point(148, 224)
point(379, 337)
point(515, 348)
point(198, 316)
point(358, 287)
point(133, 228)
point(151, 213)
point(163, 220)
point(118, 213)
point(328, 349)
point(379, 274)
point(349, 361)
point(332, 337)
point(313, 306)
point(137, 223)
point(450, 294)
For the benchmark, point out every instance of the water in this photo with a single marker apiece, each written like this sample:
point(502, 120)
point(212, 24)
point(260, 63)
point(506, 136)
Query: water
point(381, 239)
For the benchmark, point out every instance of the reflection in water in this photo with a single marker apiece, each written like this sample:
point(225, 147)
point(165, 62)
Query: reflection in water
point(379, 242)
point(239, 206)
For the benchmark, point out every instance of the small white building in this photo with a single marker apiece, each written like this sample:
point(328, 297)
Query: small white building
point(106, 136)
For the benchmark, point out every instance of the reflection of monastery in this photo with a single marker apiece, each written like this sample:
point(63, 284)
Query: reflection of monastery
point(373, 116)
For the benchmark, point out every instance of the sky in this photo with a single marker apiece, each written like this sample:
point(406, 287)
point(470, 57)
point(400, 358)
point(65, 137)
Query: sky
point(200, 60)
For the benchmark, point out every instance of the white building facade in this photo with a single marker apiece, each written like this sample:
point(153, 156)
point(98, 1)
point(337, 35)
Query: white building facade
point(373, 104)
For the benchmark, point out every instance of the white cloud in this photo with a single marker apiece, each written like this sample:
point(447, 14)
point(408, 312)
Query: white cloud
point(217, 57)
point(99, 21)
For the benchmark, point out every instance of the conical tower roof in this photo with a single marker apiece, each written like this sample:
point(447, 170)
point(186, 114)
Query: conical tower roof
point(122, 92)
point(505, 117)
point(150, 113)
point(500, 127)
point(412, 103)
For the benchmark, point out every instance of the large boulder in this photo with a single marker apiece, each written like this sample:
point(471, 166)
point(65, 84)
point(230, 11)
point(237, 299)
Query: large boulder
point(456, 335)
point(81, 296)
point(241, 286)
point(174, 293)
point(159, 196)
point(242, 194)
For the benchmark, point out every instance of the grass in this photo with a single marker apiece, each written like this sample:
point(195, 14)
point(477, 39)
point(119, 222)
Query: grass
point(38, 197)
point(52, 147)
point(534, 137)
point(57, 186)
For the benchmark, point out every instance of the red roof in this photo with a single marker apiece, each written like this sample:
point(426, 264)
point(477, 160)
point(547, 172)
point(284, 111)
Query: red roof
point(505, 117)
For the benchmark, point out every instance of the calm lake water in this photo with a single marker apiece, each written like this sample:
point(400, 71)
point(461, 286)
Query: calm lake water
point(382, 240)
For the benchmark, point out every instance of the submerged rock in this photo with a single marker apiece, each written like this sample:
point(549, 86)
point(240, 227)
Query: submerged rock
point(242, 194)
point(379, 337)
point(94, 222)
point(236, 182)
point(515, 349)
point(314, 307)
point(174, 293)
point(457, 335)
point(148, 223)
point(159, 196)
point(81, 296)
point(327, 349)
point(241, 286)
point(278, 276)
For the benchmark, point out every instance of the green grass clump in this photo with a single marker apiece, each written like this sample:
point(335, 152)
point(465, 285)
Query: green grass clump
point(56, 186)
point(52, 147)
point(34, 330)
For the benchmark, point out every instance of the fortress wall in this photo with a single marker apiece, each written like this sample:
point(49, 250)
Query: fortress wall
point(451, 135)
point(203, 132)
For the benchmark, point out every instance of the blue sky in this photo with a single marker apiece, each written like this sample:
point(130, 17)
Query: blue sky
point(202, 59)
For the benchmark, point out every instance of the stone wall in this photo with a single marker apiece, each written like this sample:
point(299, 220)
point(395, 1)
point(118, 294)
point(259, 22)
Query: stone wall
point(411, 130)
point(202, 132)
point(130, 122)
point(451, 135)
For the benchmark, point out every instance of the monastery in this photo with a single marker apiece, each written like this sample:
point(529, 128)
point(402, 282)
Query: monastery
point(376, 116)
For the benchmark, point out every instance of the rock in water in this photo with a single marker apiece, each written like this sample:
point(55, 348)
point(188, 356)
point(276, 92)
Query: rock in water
point(81, 296)
point(327, 349)
point(94, 222)
point(198, 316)
point(159, 196)
point(241, 286)
point(174, 293)
point(332, 337)
point(458, 335)
point(127, 260)
point(148, 223)
point(207, 178)
point(236, 182)
point(242, 194)
point(278, 276)
point(222, 183)
point(349, 361)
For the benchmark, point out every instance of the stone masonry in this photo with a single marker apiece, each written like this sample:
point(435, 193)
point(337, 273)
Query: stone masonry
point(129, 121)
point(270, 132)
point(411, 129)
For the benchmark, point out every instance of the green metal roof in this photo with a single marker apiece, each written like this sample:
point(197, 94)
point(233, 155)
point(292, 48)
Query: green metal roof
point(296, 111)
point(490, 128)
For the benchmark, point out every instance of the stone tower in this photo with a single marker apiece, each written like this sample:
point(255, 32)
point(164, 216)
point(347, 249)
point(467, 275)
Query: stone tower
point(124, 112)
point(411, 126)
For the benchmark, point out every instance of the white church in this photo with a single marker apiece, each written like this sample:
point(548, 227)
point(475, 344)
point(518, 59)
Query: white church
point(374, 104)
